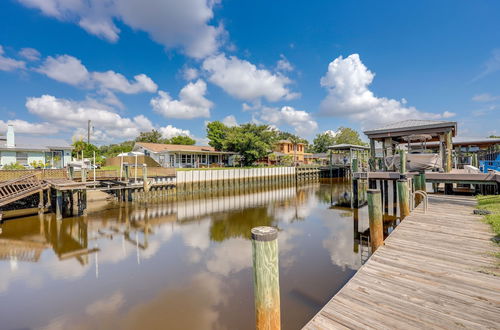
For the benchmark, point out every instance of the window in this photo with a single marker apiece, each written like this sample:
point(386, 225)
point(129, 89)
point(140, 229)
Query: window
point(22, 158)
point(186, 159)
point(203, 159)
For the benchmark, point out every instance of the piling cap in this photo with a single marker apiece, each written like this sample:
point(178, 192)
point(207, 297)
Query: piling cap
point(264, 233)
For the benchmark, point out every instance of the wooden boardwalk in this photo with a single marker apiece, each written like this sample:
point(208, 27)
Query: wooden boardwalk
point(435, 271)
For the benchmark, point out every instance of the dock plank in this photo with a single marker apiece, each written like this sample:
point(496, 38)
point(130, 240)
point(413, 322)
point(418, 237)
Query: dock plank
point(436, 270)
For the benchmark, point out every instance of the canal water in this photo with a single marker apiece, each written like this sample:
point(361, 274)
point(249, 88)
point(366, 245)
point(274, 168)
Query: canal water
point(183, 264)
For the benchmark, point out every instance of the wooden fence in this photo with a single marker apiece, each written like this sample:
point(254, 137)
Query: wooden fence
point(41, 174)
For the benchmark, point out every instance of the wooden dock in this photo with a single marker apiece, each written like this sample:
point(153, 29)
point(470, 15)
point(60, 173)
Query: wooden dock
point(436, 270)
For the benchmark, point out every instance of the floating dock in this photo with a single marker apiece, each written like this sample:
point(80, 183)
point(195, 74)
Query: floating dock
point(436, 270)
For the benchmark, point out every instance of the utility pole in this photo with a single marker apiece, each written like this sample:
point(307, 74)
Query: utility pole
point(88, 132)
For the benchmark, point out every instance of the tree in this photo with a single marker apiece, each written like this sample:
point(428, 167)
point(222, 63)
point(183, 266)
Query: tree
point(151, 137)
point(216, 134)
point(343, 135)
point(251, 141)
point(113, 150)
point(87, 148)
point(322, 141)
point(349, 136)
point(182, 139)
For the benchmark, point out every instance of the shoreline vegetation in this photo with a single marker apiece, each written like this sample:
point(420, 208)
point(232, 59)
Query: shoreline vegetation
point(492, 204)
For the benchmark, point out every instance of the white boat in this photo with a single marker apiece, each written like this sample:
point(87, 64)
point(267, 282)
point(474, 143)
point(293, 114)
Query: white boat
point(416, 162)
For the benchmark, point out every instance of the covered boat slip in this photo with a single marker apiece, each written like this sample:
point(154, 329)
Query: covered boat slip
point(404, 132)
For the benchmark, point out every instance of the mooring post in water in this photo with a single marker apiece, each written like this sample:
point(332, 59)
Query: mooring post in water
point(375, 218)
point(59, 204)
point(266, 278)
point(403, 198)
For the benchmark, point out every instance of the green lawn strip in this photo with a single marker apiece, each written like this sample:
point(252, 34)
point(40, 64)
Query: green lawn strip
point(222, 168)
point(491, 203)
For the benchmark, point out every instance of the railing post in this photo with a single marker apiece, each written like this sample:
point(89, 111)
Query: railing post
point(403, 197)
point(375, 218)
point(266, 277)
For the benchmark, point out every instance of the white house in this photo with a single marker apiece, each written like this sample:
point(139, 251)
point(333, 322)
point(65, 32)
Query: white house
point(174, 155)
point(25, 151)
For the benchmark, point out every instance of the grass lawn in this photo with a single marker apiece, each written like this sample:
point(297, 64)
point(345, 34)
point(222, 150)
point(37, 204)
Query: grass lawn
point(116, 167)
point(491, 203)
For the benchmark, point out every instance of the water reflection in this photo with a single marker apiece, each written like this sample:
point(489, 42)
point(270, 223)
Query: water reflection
point(183, 264)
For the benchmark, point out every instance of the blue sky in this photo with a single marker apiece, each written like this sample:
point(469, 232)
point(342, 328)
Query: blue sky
point(304, 67)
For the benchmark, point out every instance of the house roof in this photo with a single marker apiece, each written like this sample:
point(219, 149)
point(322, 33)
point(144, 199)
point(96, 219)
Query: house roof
point(288, 141)
point(412, 126)
point(27, 143)
point(160, 147)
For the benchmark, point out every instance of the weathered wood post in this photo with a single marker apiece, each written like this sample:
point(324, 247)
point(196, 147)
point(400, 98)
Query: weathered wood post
point(40, 202)
point(145, 177)
point(403, 198)
point(402, 161)
point(375, 218)
point(266, 277)
point(354, 165)
point(59, 204)
point(84, 174)
point(422, 182)
point(355, 193)
point(372, 155)
point(449, 150)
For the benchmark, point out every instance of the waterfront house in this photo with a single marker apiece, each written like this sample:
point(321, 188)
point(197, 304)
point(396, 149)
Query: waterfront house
point(175, 155)
point(286, 151)
point(33, 152)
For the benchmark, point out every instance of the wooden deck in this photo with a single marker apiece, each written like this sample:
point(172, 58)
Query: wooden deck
point(435, 271)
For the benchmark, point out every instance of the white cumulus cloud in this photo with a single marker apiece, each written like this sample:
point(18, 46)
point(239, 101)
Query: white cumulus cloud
point(243, 80)
point(70, 70)
point(23, 126)
point(170, 131)
point(174, 24)
point(9, 64)
point(191, 104)
point(230, 121)
point(347, 83)
point(300, 120)
point(70, 114)
point(31, 54)
point(66, 69)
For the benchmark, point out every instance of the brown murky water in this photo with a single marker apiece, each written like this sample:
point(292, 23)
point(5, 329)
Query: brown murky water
point(182, 264)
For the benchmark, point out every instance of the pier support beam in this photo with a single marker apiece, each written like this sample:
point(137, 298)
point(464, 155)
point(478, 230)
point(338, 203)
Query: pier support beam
point(375, 218)
point(403, 198)
point(402, 161)
point(449, 149)
point(266, 277)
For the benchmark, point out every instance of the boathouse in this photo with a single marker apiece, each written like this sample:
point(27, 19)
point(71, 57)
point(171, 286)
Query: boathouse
point(175, 155)
point(33, 152)
point(407, 131)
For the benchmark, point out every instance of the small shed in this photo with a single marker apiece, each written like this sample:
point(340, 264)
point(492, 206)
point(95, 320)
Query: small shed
point(400, 132)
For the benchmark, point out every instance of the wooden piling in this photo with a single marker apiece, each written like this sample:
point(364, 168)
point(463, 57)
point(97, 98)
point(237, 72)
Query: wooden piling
point(355, 194)
point(375, 218)
point(403, 198)
point(59, 204)
point(266, 278)
point(402, 161)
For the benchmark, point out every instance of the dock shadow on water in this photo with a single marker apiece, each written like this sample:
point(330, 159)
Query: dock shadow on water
point(180, 264)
